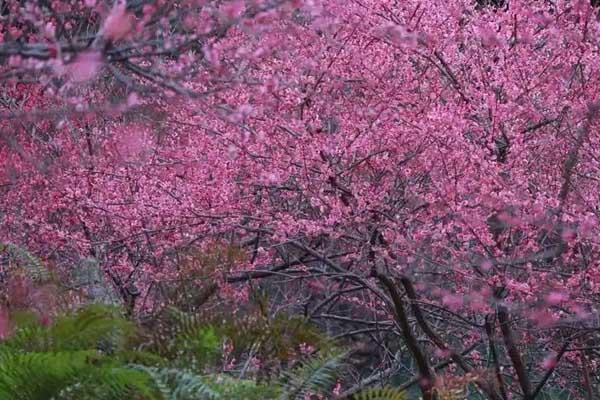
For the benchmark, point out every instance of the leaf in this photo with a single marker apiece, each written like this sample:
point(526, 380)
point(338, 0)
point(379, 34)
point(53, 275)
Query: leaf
point(315, 376)
point(385, 393)
point(176, 384)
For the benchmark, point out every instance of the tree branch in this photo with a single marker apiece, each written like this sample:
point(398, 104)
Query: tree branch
point(427, 375)
point(513, 352)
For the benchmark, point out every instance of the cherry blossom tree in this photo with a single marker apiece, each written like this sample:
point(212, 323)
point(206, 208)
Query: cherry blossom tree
point(420, 175)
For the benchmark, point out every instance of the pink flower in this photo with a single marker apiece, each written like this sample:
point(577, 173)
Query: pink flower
point(568, 234)
point(555, 298)
point(211, 55)
point(244, 111)
point(443, 353)
point(133, 99)
point(233, 9)
point(543, 318)
point(85, 66)
point(49, 30)
point(399, 35)
point(118, 23)
point(452, 301)
point(549, 362)
point(337, 390)
point(486, 265)
point(134, 142)
point(14, 61)
point(306, 349)
point(489, 38)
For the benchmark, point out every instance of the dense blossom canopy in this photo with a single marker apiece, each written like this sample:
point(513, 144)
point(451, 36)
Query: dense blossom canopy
point(441, 157)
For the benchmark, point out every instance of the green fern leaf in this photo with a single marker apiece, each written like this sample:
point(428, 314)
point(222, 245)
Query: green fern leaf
point(385, 393)
point(68, 375)
point(32, 265)
point(317, 375)
point(86, 329)
point(175, 384)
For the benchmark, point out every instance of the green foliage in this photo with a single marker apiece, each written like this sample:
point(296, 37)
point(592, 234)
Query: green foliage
point(230, 388)
point(68, 375)
point(316, 375)
point(191, 341)
point(177, 384)
point(89, 328)
point(194, 340)
point(185, 339)
point(81, 355)
point(385, 393)
point(91, 354)
point(21, 258)
point(277, 336)
point(96, 352)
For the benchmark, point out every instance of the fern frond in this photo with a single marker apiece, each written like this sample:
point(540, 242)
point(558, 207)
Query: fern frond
point(88, 328)
point(176, 384)
point(68, 375)
point(187, 339)
point(33, 376)
point(112, 382)
point(317, 375)
point(33, 266)
point(385, 393)
point(230, 388)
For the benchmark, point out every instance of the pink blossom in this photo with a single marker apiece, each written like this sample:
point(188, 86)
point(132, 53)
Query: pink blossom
point(118, 23)
point(556, 297)
point(489, 38)
point(14, 61)
point(486, 265)
point(543, 318)
point(306, 349)
point(549, 362)
point(133, 99)
point(337, 389)
point(233, 9)
point(302, 124)
point(211, 54)
point(452, 301)
point(85, 66)
point(134, 142)
point(49, 30)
